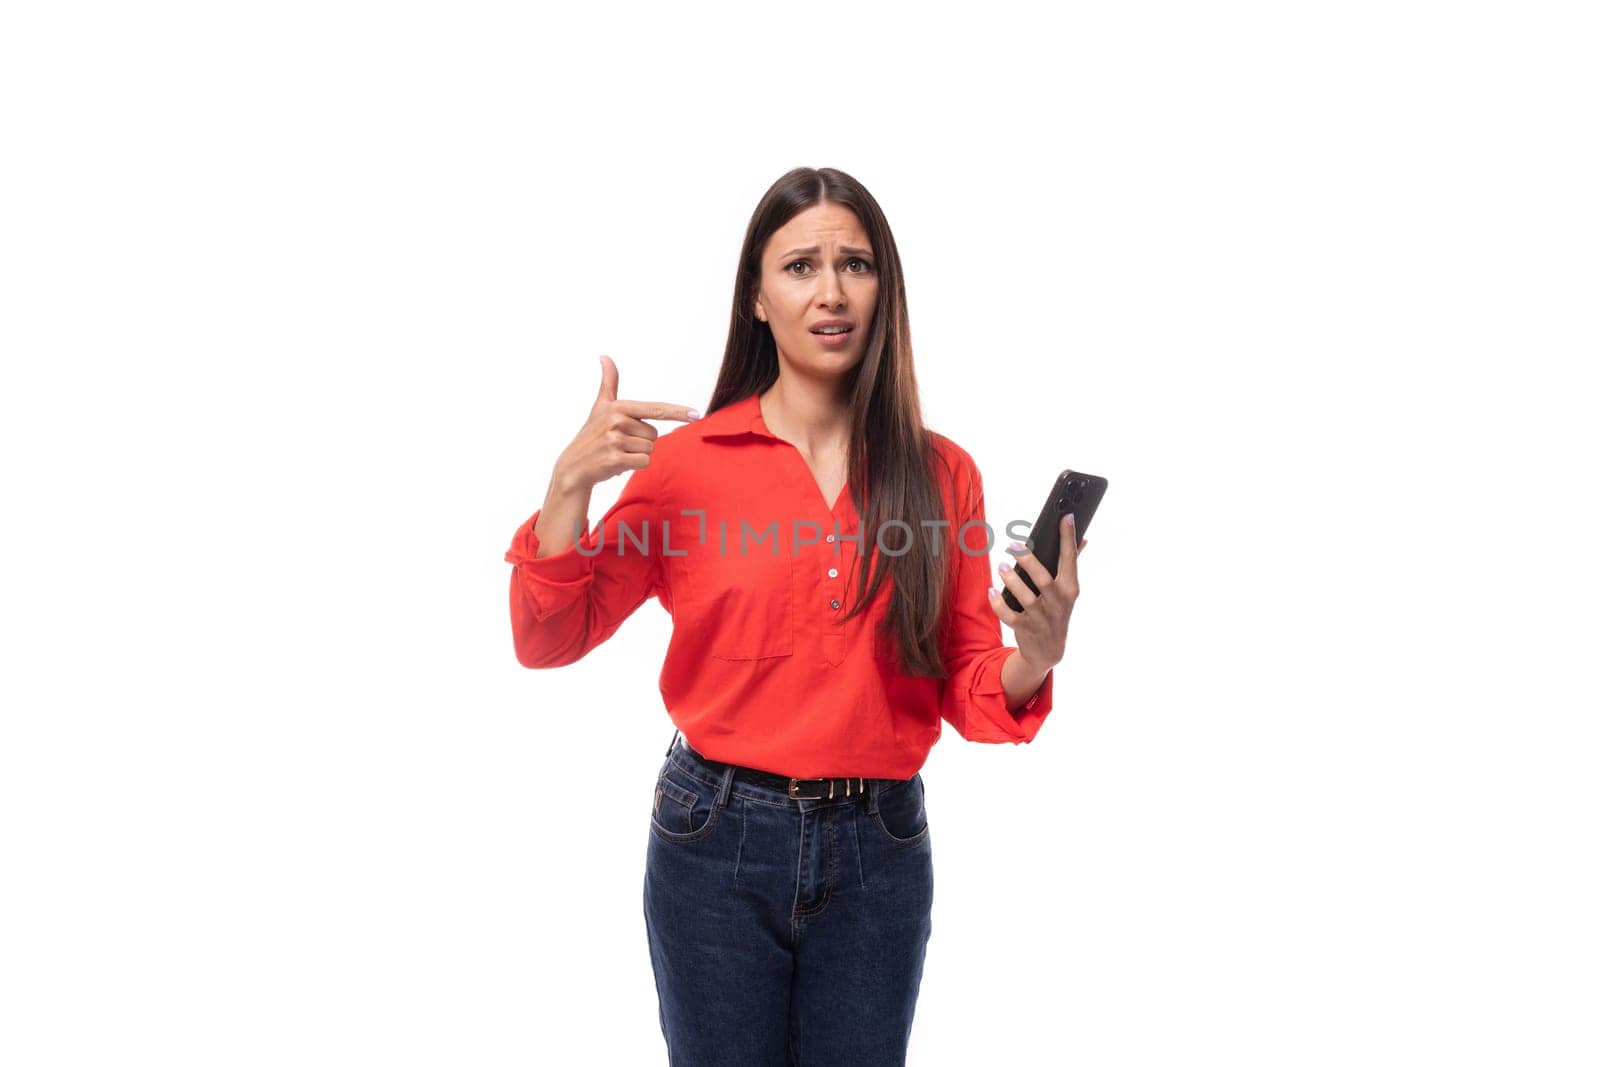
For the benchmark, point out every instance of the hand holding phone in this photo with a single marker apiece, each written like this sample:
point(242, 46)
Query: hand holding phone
point(1073, 492)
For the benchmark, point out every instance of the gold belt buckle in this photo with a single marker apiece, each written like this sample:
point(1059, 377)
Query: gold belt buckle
point(858, 784)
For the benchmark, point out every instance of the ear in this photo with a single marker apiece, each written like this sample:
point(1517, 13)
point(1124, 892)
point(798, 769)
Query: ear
point(761, 312)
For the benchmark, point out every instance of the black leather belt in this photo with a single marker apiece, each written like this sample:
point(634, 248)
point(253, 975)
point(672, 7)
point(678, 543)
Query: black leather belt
point(796, 788)
point(804, 788)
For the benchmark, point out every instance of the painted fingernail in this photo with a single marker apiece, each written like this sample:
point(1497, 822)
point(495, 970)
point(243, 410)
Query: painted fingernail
point(693, 414)
point(1004, 567)
point(1070, 520)
point(993, 592)
point(1017, 546)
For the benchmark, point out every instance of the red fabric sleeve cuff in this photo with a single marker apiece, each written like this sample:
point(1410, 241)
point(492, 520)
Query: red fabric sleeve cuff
point(989, 718)
point(551, 582)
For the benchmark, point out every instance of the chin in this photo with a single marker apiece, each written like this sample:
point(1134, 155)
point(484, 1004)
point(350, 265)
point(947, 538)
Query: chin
point(813, 357)
point(829, 364)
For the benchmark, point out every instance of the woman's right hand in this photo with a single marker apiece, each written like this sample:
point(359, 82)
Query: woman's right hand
point(614, 439)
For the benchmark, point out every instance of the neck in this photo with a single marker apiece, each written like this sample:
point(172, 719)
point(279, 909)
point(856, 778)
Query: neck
point(813, 416)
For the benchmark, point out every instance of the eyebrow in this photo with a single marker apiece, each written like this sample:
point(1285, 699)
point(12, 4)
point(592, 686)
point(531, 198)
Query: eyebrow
point(846, 249)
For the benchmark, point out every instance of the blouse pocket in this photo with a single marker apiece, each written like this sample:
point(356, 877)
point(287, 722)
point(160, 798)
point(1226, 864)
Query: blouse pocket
point(742, 602)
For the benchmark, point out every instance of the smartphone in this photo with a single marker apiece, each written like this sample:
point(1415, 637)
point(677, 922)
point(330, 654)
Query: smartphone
point(1074, 491)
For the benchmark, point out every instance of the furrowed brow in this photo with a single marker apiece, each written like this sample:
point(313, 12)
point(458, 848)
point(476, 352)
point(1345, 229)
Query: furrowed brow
point(845, 249)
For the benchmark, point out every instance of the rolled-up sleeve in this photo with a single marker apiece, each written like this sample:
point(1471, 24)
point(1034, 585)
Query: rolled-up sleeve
point(973, 699)
point(566, 603)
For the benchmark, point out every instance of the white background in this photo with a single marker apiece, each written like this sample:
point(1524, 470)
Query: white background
point(301, 301)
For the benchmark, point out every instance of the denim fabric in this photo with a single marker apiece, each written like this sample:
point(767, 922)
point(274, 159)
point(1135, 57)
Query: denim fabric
point(785, 933)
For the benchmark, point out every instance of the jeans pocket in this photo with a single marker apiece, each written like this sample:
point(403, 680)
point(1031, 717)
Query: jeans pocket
point(679, 813)
point(902, 817)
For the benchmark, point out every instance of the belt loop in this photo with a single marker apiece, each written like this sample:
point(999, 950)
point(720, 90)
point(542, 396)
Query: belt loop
point(873, 785)
point(672, 742)
point(727, 785)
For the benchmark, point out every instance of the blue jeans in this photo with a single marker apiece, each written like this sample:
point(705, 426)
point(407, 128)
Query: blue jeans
point(784, 932)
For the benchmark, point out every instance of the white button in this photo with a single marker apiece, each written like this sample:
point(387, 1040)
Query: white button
point(833, 572)
point(830, 539)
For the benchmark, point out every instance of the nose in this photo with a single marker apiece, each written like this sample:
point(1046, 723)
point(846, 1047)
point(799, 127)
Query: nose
point(831, 294)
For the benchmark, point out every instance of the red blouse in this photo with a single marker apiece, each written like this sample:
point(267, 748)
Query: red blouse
point(728, 528)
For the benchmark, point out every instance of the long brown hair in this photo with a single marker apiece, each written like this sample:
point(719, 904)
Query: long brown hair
point(891, 458)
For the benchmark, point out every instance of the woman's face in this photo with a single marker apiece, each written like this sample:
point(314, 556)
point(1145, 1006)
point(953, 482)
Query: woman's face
point(819, 267)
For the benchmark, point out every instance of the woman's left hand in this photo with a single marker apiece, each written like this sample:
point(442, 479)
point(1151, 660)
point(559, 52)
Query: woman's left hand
point(1041, 625)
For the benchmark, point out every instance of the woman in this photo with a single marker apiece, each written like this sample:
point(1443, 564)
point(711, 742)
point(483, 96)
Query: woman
point(804, 536)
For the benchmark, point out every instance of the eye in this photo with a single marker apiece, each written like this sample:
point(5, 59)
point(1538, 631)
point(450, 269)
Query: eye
point(865, 264)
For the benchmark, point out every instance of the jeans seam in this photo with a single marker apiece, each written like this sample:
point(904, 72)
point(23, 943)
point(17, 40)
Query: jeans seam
point(832, 875)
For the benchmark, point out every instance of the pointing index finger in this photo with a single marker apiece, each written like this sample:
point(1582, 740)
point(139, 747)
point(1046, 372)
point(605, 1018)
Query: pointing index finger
point(651, 409)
